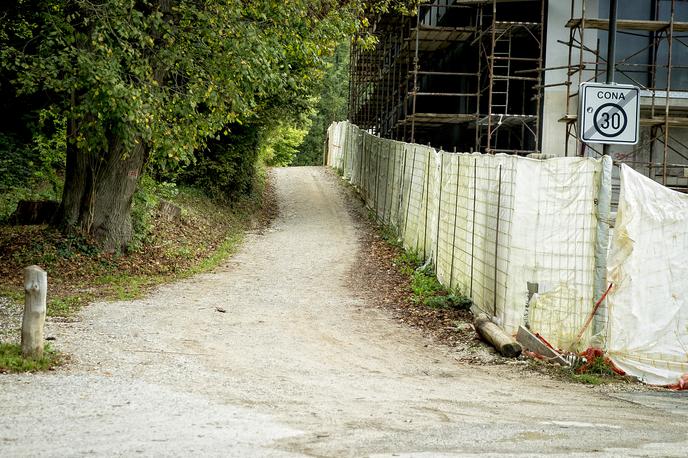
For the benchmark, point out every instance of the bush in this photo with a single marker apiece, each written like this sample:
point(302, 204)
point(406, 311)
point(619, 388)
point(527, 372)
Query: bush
point(32, 165)
point(228, 167)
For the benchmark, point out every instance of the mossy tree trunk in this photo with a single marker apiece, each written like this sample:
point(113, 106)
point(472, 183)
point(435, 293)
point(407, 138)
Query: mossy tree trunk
point(98, 193)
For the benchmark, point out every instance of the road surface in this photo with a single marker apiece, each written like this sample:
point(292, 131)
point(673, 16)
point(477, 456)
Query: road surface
point(299, 365)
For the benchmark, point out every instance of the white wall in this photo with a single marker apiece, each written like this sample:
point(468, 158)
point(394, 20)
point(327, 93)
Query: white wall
point(556, 55)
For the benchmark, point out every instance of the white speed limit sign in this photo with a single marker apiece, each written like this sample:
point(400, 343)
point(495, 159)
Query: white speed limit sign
point(609, 113)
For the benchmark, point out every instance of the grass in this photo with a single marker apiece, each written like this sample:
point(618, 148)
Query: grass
point(64, 306)
point(427, 290)
point(11, 359)
point(588, 379)
point(206, 234)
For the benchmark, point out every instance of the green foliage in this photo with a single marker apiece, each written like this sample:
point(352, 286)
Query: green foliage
point(409, 261)
point(144, 203)
point(587, 379)
point(424, 285)
point(11, 359)
point(228, 167)
point(390, 236)
point(32, 163)
point(427, 290)
point(331, 106)
point(171, 78)
point(597, 366)
point(64, 306)
point(168, 82)
point(279, 146)
point(449, 301)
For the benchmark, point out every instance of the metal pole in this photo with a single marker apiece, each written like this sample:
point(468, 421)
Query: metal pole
point(475, 192)
point(408, 202)
point(427, 193)
point(456, 211)
point(611, 52)
point(670, 41)
point(415, 78)
point(439, 213)
point(402, 178)
point(384, 205)
point(394, 176)
point(496, 257)
point(378, 153)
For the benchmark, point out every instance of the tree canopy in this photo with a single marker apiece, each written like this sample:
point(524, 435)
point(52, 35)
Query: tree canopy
point(161, 81)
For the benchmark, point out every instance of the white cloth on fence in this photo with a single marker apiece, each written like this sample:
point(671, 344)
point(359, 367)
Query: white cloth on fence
point(648, 264)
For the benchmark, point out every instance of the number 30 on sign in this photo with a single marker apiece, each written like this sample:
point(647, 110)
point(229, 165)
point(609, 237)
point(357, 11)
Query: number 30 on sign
point(609, 113)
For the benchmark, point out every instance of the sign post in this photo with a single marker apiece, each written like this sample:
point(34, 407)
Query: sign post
point(611, 52)
point(609, 114)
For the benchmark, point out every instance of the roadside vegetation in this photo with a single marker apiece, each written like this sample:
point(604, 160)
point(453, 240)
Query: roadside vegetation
point(11, 360)
point(426, 289)
point(100, 95)
point(163, 248)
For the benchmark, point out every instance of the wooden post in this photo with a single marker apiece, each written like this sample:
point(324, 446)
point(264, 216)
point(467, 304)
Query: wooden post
point(489, 331)
point(36, 291)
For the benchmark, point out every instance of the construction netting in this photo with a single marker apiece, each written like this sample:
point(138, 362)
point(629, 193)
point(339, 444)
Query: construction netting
point(519, 236)
point(648, 266)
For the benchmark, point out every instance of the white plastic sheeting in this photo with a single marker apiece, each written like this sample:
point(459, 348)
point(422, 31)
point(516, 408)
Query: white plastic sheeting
point(648, 264)
point(490, 224)
point(553, 244)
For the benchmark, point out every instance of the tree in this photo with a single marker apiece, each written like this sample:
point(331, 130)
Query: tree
point(331, 106)
point(142, 81)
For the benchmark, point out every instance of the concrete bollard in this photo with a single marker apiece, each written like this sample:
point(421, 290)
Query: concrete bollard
point(36, 292)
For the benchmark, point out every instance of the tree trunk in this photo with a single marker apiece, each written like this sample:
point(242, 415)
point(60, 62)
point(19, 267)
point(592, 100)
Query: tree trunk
point(99, 186)
point(98, 193)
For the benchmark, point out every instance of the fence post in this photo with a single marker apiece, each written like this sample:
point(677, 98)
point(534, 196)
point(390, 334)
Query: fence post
point(364, 167)
point(378, 154)
point(475, 192)
point(604, 199)
point(401, 194)
point(439, 213)
point(496, 257)
point(456, 211)
point(394, 186)
point(36, 292)
point(408, 203)
point(361, 158)
point(345, 147)
point(427, 191)
point(384, 200)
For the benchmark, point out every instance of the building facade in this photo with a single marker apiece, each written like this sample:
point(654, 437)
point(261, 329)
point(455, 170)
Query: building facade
point(503, 77)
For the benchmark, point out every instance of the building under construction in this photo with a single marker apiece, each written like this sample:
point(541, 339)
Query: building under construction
point(503, 77)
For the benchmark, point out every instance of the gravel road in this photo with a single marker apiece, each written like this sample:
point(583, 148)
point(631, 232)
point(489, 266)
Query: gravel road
point(299, 365)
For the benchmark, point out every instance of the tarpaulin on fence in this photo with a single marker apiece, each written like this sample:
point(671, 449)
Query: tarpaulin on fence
point(648, 265)
point(490, 223)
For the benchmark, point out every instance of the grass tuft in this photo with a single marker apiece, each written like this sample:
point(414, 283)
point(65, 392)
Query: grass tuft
point(426, 289)
point(12, 361)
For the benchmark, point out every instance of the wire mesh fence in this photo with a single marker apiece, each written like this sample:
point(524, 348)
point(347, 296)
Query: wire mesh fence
point(518, 236)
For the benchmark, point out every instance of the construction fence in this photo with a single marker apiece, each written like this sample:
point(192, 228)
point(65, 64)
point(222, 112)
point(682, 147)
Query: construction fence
point(525, 239)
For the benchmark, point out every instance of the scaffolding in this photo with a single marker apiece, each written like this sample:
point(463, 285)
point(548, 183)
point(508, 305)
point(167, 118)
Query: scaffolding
point(512, 72)
point(463, 74)
point(662, 152)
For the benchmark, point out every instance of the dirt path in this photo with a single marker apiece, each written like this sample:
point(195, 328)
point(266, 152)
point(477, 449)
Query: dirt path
point(299, 365)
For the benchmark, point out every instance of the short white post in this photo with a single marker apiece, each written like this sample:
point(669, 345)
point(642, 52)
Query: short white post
point(36, 292)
